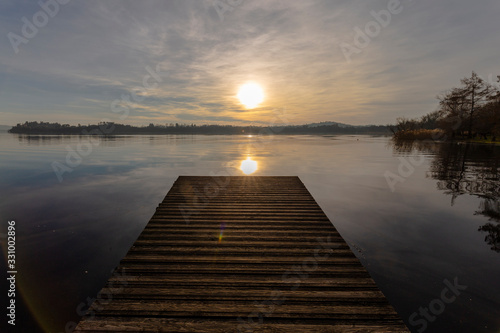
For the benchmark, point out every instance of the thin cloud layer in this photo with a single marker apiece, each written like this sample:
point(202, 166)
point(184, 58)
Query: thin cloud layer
point(183, 61)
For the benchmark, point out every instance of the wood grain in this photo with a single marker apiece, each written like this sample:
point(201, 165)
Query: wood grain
point(240, 254)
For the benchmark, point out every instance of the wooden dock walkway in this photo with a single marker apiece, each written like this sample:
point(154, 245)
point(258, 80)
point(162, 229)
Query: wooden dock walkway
point(240, 254)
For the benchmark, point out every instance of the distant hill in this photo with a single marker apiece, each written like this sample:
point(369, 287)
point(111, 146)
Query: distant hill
point(330, 123)
point(5, 128)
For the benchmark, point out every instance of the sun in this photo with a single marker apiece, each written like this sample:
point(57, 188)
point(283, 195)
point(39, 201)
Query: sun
point(251, 95)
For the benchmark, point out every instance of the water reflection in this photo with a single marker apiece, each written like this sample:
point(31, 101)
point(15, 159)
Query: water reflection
point(491, 209)
point(88, 222)
point(248, 166)
point(39, 140)
point(465, 168)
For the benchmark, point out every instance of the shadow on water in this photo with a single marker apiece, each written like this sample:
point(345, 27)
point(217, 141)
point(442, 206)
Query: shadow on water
point(465, 168)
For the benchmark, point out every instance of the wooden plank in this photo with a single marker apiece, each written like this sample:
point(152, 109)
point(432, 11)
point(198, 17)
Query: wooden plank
point(127, 324)
point(240, 254)
point(331, 268)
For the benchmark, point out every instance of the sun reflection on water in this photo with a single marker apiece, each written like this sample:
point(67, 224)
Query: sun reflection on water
point(248, 166)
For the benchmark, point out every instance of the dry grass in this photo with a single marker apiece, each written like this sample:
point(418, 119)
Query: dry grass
point(420, 134)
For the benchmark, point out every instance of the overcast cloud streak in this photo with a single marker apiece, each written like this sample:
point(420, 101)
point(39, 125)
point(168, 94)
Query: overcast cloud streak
point(90, 53)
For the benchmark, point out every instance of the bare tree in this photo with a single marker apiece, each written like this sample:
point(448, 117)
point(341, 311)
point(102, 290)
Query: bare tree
point(453, 111)
point(478, 92)
point(464, 101)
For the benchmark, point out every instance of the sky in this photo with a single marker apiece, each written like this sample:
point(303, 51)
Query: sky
point(140, 62)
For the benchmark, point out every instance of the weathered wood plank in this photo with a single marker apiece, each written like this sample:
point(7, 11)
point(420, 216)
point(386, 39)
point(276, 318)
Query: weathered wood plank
point(324, 269)
point(124, 324)
point(231, 309)
point(240, 254)
point(232, 293)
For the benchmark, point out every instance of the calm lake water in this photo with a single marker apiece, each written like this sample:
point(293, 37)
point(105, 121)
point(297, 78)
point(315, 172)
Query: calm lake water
point(423, 218)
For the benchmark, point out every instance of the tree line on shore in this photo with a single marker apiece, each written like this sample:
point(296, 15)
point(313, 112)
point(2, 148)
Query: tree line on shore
point(470, 111)
point(110, 128)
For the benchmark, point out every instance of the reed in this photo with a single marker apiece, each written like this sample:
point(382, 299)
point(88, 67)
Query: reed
point(420, 134)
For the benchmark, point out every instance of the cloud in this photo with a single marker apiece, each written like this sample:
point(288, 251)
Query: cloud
point(91, 53)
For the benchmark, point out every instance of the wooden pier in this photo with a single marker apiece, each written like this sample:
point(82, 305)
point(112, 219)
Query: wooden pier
point(240, 254)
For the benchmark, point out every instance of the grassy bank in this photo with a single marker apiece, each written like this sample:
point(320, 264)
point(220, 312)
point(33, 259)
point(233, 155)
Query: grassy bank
point(438, 135)
point(488, 140)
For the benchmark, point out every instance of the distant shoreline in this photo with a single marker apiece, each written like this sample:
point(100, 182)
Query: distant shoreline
point(112, 129)
point(207, 134)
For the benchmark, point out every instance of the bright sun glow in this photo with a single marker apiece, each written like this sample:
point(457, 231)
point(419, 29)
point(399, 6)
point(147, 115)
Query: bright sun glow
point(251, 95)
point(248, 166)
